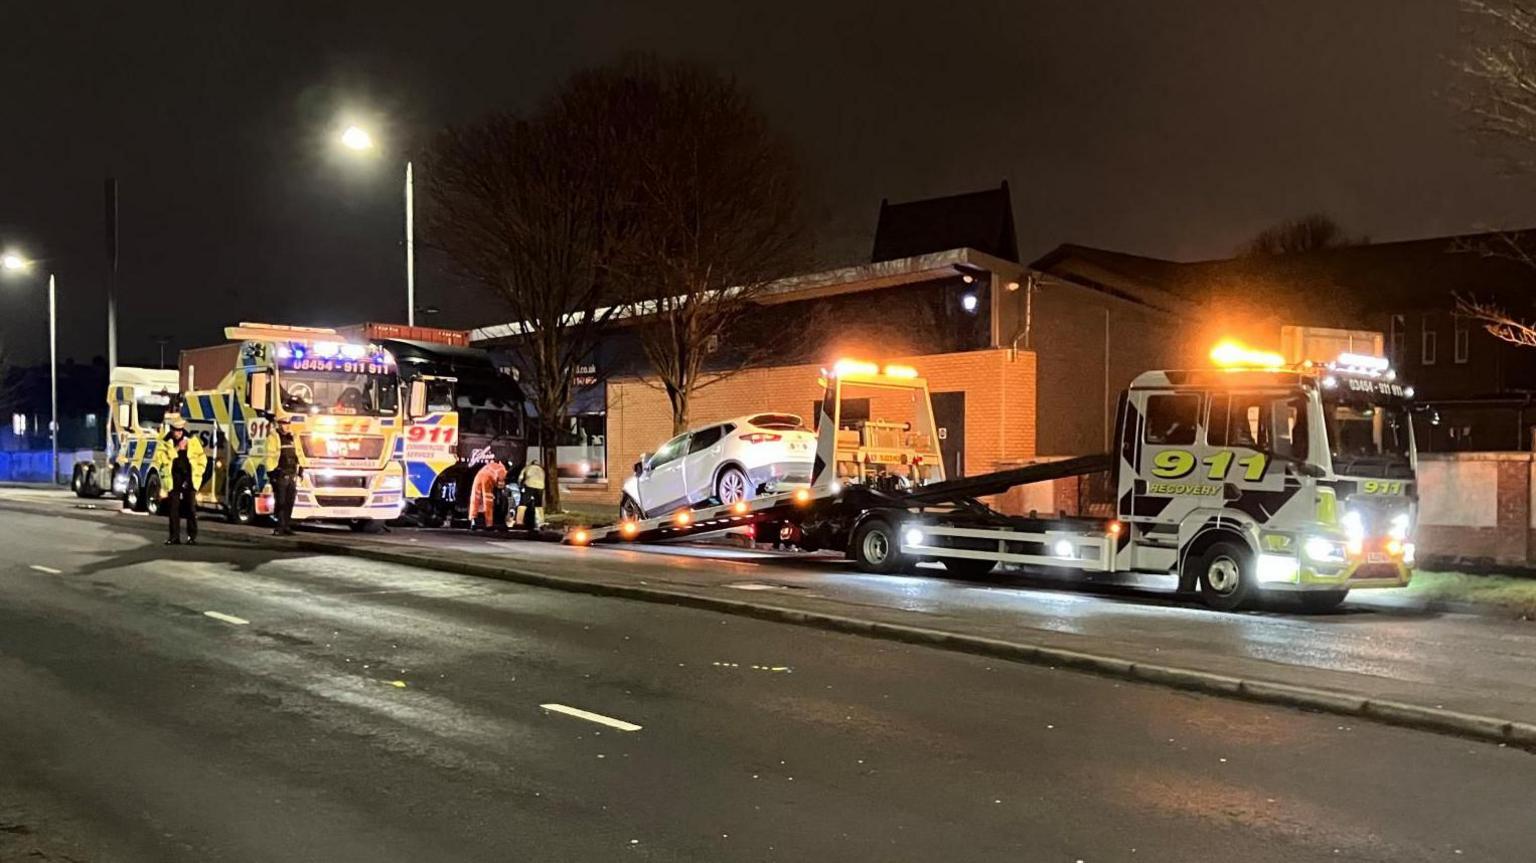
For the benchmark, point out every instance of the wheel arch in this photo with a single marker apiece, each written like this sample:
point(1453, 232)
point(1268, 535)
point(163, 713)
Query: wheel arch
point(714, 480)
point(1205, 537)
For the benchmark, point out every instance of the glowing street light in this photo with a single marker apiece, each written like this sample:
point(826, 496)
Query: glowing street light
point(356, 138)
point(359, 140)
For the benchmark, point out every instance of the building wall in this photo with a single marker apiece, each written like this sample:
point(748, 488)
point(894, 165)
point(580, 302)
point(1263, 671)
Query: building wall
point(1090, 345)
point(999, 392)
point(1477, 508)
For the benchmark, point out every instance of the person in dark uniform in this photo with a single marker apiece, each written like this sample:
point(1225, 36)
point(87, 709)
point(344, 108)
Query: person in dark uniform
point(284, 471)
point(181, 458)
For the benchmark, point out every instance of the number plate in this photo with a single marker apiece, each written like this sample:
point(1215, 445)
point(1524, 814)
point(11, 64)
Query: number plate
point(1376, 557)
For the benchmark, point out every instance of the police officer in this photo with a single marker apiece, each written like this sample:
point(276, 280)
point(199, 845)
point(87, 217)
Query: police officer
point(284, 471)
point(180, 458)
point(532, 481)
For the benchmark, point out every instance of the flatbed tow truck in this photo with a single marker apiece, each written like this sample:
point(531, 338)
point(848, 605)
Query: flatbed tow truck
point(1251, 476)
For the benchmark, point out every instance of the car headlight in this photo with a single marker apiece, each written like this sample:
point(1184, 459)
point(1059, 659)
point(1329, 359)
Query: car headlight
point(392, 482)
point(1399, 527)
point(1324, 550)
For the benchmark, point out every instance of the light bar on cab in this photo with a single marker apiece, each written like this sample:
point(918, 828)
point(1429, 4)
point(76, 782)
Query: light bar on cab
point(1232, 354)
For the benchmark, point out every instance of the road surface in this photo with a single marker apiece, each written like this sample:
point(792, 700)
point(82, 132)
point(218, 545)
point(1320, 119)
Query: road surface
point(230, 703)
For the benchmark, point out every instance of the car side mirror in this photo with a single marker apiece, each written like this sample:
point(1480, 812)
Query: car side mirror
point(642, 464)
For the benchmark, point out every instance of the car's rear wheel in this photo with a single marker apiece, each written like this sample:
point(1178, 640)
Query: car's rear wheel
point(732, 485)
point(629, 509)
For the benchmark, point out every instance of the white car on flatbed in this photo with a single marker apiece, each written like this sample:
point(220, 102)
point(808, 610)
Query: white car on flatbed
point(723, 461)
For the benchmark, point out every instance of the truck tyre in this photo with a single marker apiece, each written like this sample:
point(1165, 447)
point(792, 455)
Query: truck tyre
point(145, 498)
point(242, 502)
point(875, 548)
point(80, 482)
point(1226, 575)
point(366, 525)
point(968, 567)
point(1322, 600)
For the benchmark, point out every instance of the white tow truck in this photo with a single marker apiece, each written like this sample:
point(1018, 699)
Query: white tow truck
point(1249, 476)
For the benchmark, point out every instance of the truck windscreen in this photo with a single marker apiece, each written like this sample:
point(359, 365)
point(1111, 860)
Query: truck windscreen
point(1363, 432)
point(344, 393)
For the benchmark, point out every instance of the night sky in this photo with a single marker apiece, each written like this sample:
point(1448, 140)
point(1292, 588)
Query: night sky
point(1174, 129)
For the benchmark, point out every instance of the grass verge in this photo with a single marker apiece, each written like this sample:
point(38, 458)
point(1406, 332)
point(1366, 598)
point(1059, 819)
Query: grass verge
point(1514, 594)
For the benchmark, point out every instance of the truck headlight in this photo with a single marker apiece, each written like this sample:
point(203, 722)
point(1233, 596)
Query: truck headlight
point(392, 482)
point(1399, 527)
point(1324, 550)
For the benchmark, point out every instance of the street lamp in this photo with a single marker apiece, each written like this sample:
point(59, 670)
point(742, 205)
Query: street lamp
point(15, 263)
point(360, 140)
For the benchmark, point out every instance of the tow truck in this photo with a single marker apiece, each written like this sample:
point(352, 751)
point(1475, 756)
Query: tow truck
point(137, 402)
point(1250, 476)
point(342, 401)
point(462, 411)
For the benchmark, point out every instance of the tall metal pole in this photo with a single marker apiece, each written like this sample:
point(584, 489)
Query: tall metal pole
point(112, 274)
point(410, 248)
point(53, 377)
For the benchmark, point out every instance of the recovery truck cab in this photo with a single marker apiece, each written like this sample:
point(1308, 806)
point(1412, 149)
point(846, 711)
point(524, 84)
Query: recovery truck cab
point(1248, 477)
point(462, 411)
point(137, 402)
point(342, 402)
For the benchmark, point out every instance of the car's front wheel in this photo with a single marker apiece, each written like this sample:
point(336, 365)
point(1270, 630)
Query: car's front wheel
point(732, 485)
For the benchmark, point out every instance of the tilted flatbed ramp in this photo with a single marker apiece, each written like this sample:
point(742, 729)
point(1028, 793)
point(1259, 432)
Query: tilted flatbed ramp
point(1000, 481)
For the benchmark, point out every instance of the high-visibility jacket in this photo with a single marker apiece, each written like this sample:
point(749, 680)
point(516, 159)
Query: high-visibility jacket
point(282, 452)
point(482, 496)
point(532, 476)
point(165, 461)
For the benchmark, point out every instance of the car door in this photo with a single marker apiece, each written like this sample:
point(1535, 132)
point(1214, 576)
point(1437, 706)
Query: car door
point(704, 451)
point(662, 487)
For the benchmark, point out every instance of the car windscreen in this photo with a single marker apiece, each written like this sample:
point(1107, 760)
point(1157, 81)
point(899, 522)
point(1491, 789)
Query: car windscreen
point(345, 393)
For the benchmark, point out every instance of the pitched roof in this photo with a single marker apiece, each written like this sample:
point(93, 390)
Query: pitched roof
point(1323, 286)
point(976, 220)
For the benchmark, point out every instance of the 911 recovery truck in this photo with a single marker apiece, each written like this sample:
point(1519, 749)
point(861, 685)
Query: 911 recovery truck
point(137, 402)
point(1247, 477)
point(341, 400)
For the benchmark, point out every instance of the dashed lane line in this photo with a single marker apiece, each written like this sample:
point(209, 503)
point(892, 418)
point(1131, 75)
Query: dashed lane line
point(227, 618)
point(48, 569)
point(591, 717)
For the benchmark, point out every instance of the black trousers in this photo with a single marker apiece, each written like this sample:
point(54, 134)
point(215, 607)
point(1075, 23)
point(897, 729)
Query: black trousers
point(285, 488)
point(532, 498)
point(182, 495)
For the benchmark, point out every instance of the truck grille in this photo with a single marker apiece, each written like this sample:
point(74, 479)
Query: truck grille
point(338, 500)
point(326, 483)
point(342, 446)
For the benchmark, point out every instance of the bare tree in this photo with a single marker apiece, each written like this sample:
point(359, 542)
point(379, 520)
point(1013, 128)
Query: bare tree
point(712, 213)
point(525, 209)
point(1496, 87)
point(9, 390)
point(1307, 233)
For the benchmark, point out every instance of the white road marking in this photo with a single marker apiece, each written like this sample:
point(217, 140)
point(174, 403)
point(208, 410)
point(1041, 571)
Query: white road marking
point(48, 569)
point(227, 618)
point(592, 717)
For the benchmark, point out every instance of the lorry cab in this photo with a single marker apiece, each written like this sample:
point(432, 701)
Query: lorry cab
point(461, 412)
point(137, 401)
point(1257, 475)
point(341, 400)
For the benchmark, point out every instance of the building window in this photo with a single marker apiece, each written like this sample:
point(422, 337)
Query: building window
point(18, 424)
point(1463, 341)
point(90, 421)
point(1399, 336)
point(1429, 345)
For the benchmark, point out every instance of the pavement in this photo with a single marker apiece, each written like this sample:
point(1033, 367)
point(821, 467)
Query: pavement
point(234, 702)
point(1373, 648)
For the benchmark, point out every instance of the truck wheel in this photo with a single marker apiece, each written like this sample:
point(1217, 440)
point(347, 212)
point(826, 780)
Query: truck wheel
point(968, 567)
point(1322, 600)
point(874, 548)
point(144, 498)
point(77, 481)
point(366, 525)
point(242, 503)
point(1226, 576)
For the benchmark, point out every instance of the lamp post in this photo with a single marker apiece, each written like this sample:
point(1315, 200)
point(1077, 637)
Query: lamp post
point(360, 140)
point(12, 262)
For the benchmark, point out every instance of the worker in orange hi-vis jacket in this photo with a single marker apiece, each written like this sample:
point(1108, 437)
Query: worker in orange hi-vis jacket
point(489, 481)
